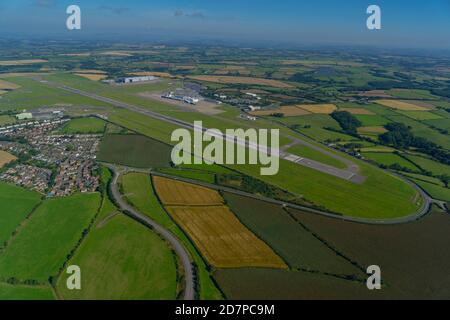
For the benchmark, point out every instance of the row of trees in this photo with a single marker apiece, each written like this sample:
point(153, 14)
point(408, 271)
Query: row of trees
point(347, 121)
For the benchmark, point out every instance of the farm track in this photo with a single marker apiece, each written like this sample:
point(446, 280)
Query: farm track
point(177, 246)
point(349, 175)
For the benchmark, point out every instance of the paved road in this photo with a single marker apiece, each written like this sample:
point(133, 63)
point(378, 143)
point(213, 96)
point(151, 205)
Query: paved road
point(189, 292)
point(425, 209)
point(349, 175)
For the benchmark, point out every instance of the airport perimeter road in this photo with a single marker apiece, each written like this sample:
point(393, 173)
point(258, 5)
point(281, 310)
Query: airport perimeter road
point(177, 246)
point(426, 206)
point(349, 175)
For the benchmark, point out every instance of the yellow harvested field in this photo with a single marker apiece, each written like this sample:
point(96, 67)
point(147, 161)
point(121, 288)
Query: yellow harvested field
point(92, 76)
point(223, 240)
point(5, 85)
point(21, 62)
point(288, 111)
point(117, 53)
point(358, 111)
point(401, 105)
point(6, 158)
point(150, 73)
point(371, 130)
point(319, 108)
point(177, 193)
point(242, 80)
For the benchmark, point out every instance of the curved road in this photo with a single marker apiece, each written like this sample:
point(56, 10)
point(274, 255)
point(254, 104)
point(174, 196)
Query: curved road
point(189, 291)
point(418, 215)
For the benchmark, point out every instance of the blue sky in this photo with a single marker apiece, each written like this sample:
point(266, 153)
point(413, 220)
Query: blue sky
point(412, 24)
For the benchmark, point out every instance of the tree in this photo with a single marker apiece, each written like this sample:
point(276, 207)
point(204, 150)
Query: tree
point(445, 178)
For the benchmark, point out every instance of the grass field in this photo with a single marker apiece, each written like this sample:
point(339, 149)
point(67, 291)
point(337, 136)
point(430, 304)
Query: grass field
point(5, 120)
point(371, 130)
point(401, 105)
point(287, 111)
point(134, 151)
point(357, 111)
point(138, 190)
point(16, 204)
point(435, 191)
point(123, 260)
point(190, 174)
point(303, 151)
point(6, 158)
point(429, 165)
point(92, 76)
point(15, 292)
point(41, 246)
point(177, 193)
point(421, 115)
point(84, 126)
point(242, 80)
point(222, 239)
point(297, 246)
point(372, 121)
point(389, 159)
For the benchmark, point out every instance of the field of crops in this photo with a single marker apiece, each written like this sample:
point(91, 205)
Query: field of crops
point(134, 151)
point(222, 239)
point(41, 246)
point(401, 105)
point(242, 80)
point(177, 193)
point(6, 158)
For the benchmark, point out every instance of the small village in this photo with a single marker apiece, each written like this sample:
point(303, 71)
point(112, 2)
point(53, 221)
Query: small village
point(51, 163)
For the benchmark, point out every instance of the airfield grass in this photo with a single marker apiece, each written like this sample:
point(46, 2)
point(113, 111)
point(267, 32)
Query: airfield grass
point(138, 189)
point(134, 151)
point(18, 292)
point(430, 165)
point(16, 204)
point(84, 126)
point(389, 159)
point(303, 151)
point(34, 94)
point(298, 247)
point(123, 260)
point(41, 246)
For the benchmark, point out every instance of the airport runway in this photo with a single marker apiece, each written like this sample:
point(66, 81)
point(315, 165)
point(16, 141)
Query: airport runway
point(345, 174)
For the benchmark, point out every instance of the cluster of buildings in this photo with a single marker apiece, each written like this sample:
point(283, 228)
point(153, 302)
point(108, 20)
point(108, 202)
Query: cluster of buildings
point(72, 158)
point(184, 95)
point(136, 79)
point(30, 177)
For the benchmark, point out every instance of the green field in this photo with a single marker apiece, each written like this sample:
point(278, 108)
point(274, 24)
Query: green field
point(5, 120)
point(430, 165)
point(139, 192)
point(41, 246)
point(389, 159)
point(268, 284)
point(190, 174)
point(435, 191)
point(134, 151)
point(420, 115)
point(304, 151)
point(298, 247)
point(372, 121)
point(393, 248)
point(16, 204)
point(17, 292)
point(84, 126)
point(122, 260)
